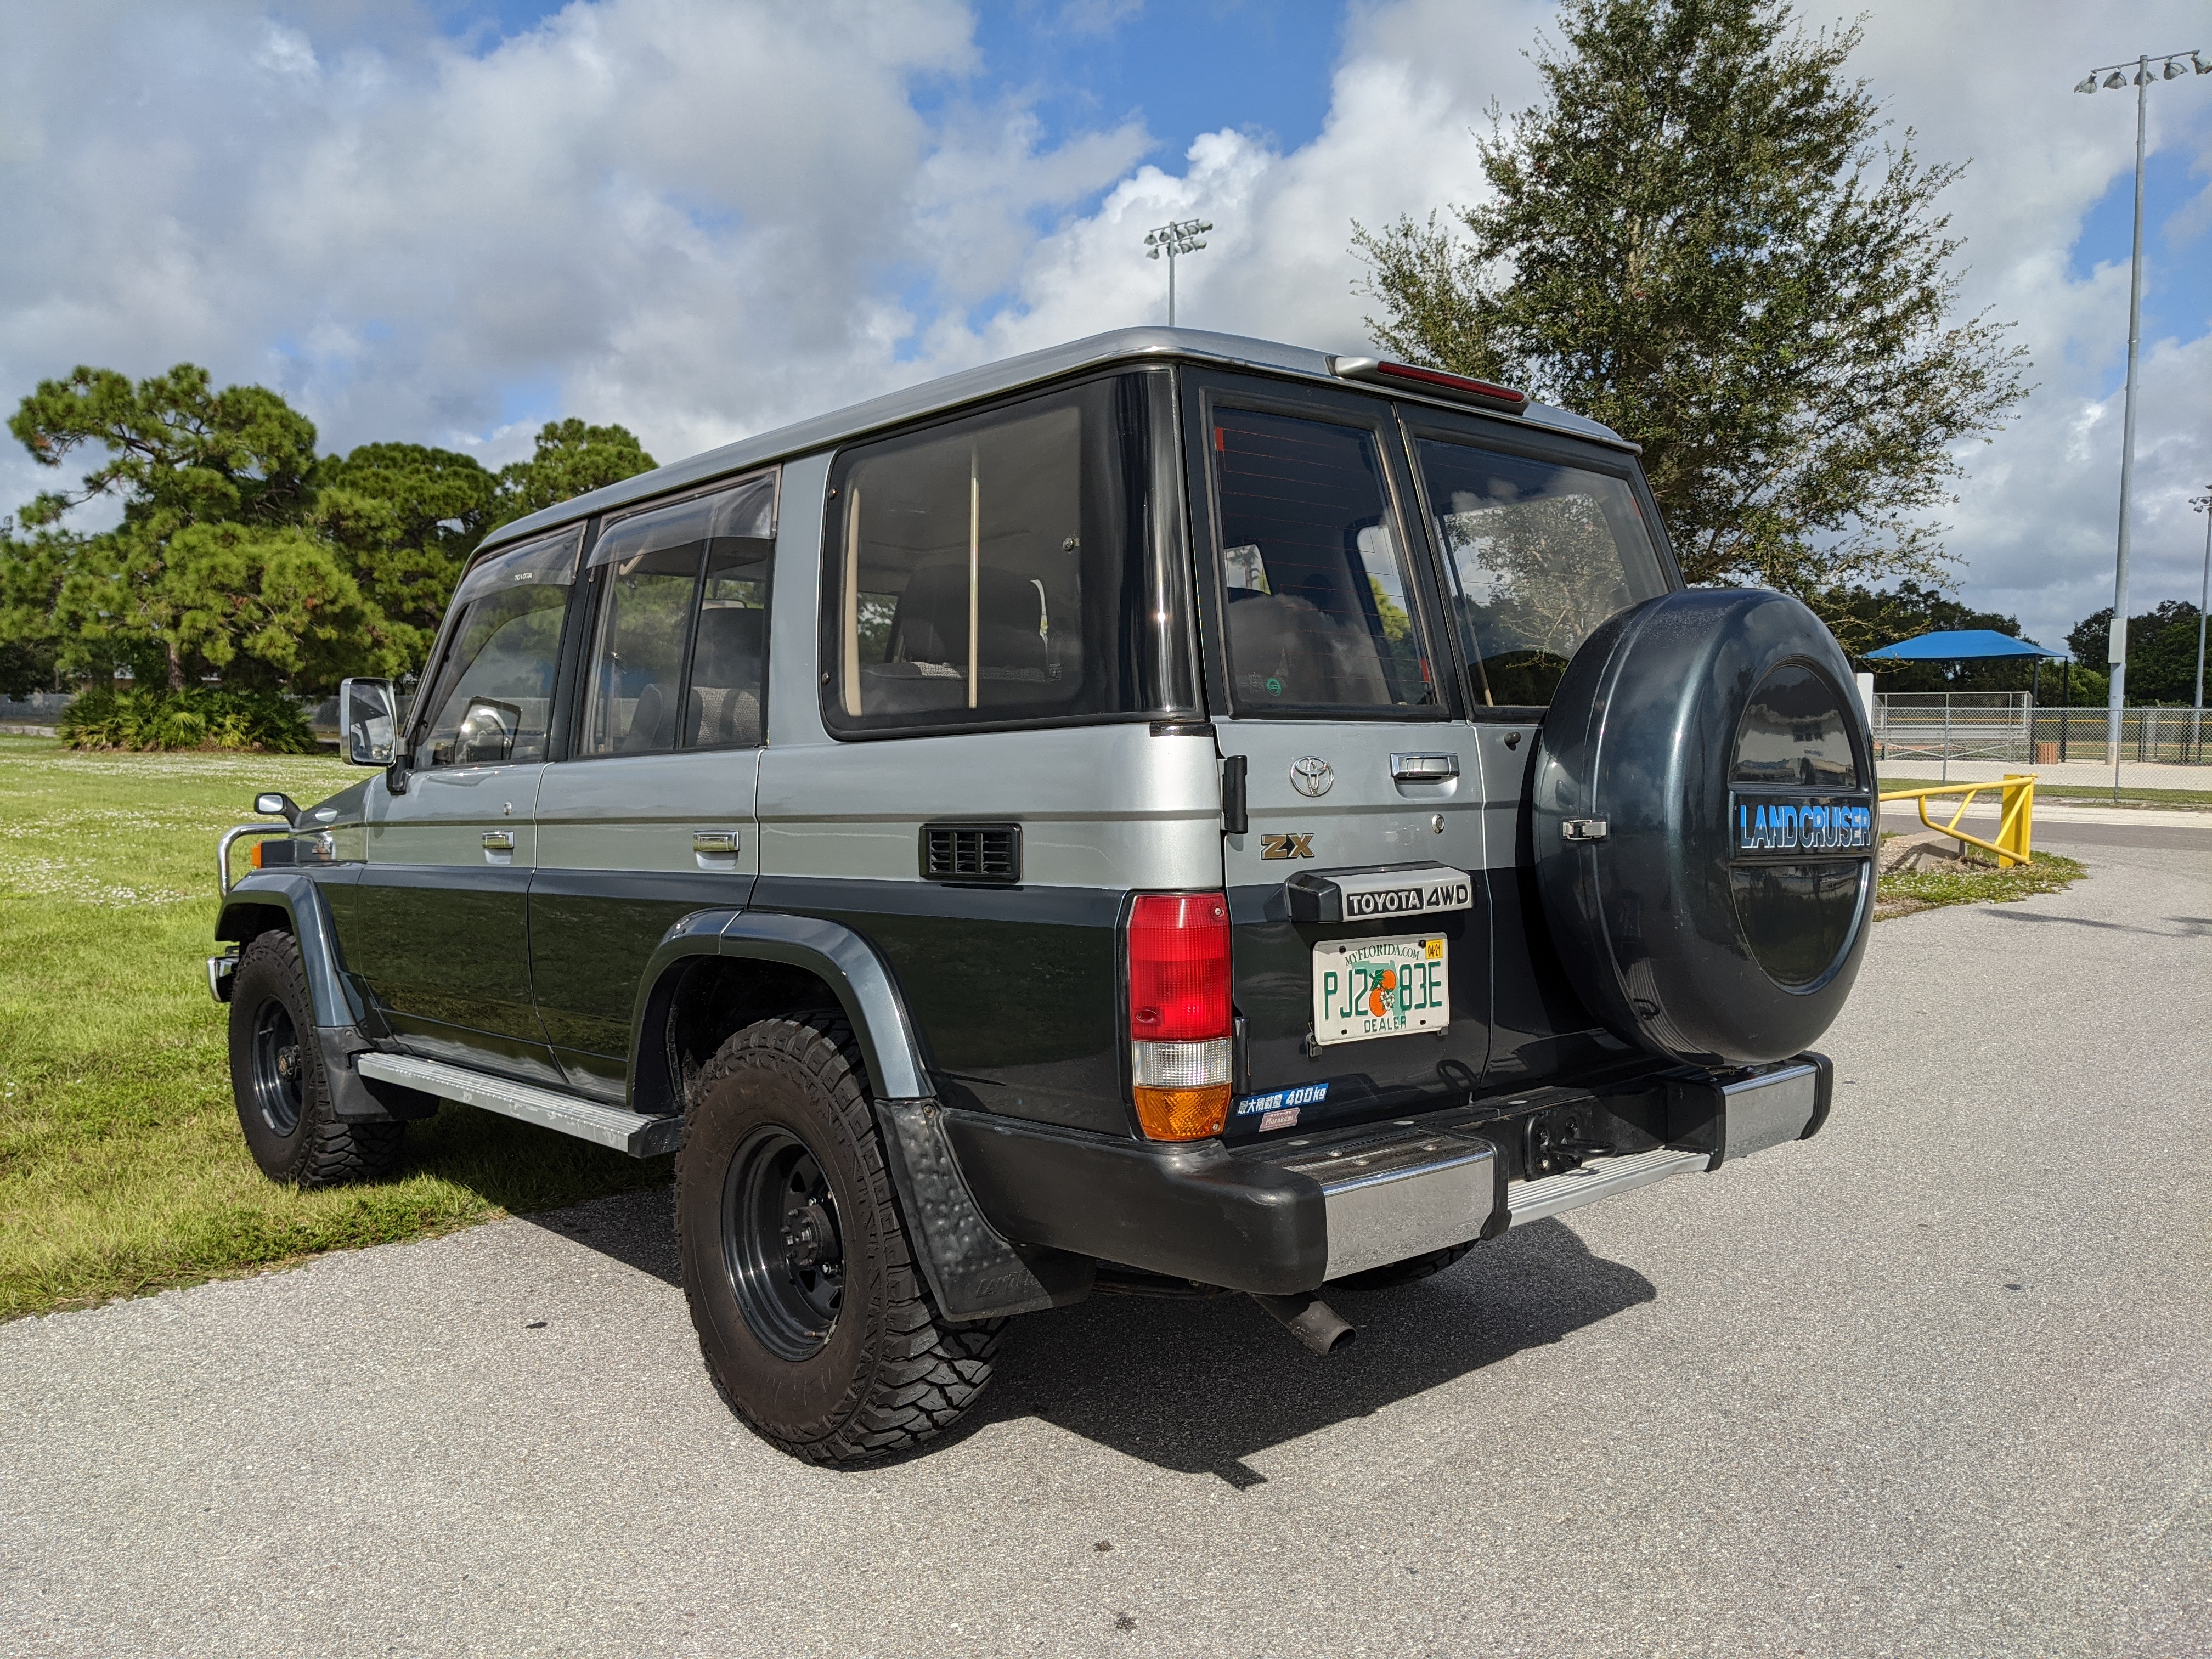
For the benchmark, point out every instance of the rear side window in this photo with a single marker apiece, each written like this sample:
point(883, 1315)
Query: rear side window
point(1539, 555)
point(491, 700)
point(679, 650)
point(1319, 613)
point(1001, 568)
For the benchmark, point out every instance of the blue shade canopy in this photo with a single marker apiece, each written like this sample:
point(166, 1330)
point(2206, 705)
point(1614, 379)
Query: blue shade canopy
point(1959, 645)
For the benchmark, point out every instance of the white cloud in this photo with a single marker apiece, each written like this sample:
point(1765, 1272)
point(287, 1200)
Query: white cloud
point(702, 217)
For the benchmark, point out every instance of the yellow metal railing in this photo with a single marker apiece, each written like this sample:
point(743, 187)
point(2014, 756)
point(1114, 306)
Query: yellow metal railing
point(2016, 814)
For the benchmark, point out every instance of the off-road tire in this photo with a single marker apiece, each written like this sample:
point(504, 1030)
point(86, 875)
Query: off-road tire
point(300, 1140)
point(891, 1372)
point(1404, 1273)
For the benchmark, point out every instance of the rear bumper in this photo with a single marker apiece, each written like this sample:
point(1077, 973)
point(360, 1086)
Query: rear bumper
point(1286, 1215)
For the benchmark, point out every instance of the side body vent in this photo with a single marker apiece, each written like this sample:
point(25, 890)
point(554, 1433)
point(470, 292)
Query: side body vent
point(971, 852)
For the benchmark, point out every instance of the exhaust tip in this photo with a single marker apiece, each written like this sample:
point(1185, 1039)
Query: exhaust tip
point(1310, 1320)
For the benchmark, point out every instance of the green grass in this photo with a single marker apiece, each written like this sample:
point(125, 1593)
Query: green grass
point(1902, 892)
point(122, 1169)
point(2092, 794)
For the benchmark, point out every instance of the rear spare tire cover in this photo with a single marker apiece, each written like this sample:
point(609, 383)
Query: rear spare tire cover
point(1704, 823)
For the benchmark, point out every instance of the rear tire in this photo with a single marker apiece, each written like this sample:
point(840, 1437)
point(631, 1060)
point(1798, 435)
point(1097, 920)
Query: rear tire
point(1403, 1272)
point(276, 1078)
point(813, 1317)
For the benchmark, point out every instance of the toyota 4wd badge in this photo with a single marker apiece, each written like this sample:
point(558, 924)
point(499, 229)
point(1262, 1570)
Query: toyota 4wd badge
point(1311, 776)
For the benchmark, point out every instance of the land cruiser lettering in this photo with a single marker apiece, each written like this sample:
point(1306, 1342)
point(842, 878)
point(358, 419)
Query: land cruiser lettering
point(1171, 813)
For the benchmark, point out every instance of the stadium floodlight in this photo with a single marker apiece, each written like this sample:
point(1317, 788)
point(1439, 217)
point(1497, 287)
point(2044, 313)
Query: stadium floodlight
point(1174, 239)
point(2116, 652)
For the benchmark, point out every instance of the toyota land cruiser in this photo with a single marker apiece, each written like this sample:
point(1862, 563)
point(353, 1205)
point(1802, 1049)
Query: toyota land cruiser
point(1169, 810)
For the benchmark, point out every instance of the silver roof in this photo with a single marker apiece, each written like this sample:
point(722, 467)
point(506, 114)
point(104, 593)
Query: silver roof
point(931, 396)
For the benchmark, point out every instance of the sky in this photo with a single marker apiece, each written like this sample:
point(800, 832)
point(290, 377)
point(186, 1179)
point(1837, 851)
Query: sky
point(448, 220)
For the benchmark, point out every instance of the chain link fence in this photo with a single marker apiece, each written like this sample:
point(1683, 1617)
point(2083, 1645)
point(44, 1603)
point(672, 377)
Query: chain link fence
point(2006, 727)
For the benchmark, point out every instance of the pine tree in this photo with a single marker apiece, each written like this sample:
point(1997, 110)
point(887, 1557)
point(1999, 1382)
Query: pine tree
point(1699, 238)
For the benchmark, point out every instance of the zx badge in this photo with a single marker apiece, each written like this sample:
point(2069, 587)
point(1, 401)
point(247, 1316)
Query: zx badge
point(1286, 847)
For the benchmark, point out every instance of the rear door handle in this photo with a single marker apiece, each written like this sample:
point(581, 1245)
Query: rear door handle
point(714, 841)
point(1424, 769)
point(499, 840)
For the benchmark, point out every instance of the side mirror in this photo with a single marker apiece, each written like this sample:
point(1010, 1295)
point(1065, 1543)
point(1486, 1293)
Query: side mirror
point(369, 714)
point(270, 804)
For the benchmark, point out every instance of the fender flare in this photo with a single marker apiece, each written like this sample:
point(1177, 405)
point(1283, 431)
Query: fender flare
point(858, 978)
point(973, 1271)
point(331, 997)
point(338, 1010)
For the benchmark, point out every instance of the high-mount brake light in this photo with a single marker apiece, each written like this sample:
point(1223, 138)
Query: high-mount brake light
point(1180, 1042)
point(1458, 386)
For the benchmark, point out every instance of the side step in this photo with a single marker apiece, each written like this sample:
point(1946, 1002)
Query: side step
point(1602, 1177)
point(549, 1108)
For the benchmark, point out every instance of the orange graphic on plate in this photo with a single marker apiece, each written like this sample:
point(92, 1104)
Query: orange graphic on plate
point(1383, 987)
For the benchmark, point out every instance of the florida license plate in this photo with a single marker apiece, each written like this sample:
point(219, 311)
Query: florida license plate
point(1379, 987)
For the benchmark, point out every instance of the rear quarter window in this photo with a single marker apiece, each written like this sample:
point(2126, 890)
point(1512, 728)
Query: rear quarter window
point(1000, 569)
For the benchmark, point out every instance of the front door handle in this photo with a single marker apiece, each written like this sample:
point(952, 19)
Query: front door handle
point(1424, 769)
point(719, 841)
point(499, 840)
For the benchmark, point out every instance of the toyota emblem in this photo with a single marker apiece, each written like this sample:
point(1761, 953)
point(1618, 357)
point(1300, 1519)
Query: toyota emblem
point(1310, 776)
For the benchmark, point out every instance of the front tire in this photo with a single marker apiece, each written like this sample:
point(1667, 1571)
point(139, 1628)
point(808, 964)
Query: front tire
point(276, 1078)
point(812, 1314)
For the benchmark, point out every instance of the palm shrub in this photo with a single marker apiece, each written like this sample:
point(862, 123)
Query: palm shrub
point(194, 717)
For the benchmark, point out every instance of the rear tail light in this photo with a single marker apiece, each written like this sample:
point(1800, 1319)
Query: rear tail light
point(1180, 1045)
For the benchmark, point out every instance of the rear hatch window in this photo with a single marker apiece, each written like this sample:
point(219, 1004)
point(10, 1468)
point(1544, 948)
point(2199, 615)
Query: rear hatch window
point(1538, 554)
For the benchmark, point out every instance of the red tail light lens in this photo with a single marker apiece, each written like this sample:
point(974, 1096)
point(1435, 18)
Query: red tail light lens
point(1179, 968)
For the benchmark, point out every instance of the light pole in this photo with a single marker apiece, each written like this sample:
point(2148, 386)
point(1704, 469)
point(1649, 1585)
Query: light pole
point(2176, 64)
point(1175, 239)
point(2203, 504)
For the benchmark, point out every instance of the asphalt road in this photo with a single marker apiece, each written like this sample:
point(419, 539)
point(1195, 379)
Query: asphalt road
point(1937, 1382)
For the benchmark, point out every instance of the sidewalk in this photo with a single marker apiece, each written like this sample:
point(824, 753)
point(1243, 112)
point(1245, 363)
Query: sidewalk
point(2134, 774)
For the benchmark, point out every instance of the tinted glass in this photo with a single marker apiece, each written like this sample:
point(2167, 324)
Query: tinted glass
point(683, 583)
point(1539, 555)
point(646, 604)
point(491, 698)
point(1002, 567)
point(1319, 615)
point(1793, 732)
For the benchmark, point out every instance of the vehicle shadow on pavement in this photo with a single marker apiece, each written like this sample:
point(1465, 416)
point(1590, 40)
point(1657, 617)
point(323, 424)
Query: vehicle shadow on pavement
point(635, 1229)
point(1199, 1385)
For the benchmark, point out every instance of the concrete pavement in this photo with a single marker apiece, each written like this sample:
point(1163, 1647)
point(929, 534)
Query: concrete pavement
point(1936, 1383)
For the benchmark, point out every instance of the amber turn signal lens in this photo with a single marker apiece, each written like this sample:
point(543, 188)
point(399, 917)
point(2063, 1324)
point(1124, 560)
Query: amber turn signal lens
point(254, 857)
point(1182, 1114)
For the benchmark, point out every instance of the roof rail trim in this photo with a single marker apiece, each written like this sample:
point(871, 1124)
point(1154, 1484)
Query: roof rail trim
point(953, 392)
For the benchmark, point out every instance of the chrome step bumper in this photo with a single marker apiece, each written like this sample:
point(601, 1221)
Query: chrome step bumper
point(1405, 1196)
point(549, 1108)
point(1600, 1177)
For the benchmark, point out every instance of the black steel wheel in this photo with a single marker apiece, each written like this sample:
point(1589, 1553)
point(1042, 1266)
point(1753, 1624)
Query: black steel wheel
point(781, 1244)
point(278, 1069)
point(276, 1078)
point(813, 1316)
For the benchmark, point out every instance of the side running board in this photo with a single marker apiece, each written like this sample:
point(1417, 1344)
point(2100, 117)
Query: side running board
point(549, 1108)
point(1602, 1177)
